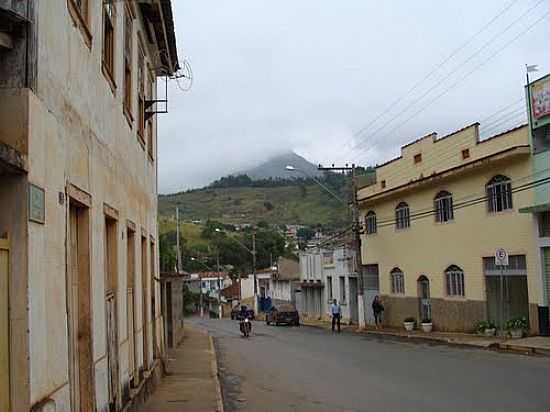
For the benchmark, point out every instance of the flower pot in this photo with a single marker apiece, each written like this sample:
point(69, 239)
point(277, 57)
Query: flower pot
point(409, 326)
point(516, 333)
point(490, 332)
point(427, 327)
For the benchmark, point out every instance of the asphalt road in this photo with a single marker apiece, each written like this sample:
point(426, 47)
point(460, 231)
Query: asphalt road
point(309, 369)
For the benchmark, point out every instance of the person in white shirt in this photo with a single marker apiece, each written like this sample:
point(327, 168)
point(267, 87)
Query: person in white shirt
point(336, 313)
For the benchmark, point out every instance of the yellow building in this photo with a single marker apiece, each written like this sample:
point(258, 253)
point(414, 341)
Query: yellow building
point(433, 220)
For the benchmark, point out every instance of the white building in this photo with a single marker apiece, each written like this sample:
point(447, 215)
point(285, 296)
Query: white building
point(284, 281)
point(80, 318)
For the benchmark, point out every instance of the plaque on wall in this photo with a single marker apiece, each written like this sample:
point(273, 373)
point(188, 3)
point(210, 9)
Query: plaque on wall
point(37, 204)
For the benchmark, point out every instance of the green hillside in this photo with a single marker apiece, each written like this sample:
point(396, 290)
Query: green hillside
point(236, 205)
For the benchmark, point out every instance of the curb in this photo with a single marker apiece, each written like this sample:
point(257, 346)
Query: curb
point(215, 373)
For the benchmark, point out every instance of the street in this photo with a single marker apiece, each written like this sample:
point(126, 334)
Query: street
point(309, 369)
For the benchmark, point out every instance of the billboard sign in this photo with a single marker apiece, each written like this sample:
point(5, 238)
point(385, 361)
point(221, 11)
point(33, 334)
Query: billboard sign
point(540, 98)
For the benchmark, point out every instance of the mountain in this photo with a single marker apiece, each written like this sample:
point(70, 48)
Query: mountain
point(275, 167)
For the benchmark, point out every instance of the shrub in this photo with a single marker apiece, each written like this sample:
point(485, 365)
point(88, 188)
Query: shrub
point(426, 320)
point(485, 324)
point(517, 323)
point(410, 319)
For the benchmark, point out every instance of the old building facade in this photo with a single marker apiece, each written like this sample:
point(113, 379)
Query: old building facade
point(433, 220)
point(78, 195)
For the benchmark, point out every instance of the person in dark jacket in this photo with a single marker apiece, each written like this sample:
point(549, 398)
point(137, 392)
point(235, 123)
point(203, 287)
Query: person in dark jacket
point(377, 309)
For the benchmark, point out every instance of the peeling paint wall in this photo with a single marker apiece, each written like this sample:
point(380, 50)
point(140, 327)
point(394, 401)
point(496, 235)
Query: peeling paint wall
point(72, 127)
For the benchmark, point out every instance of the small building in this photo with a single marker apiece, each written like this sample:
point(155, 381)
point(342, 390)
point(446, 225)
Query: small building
point(539, 139)
point(310, 297)
point(285, 280)
point(434, 217)
point(172, 307)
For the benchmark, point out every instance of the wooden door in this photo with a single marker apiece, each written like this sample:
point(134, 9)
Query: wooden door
point(72, 297)
point(131, 346)
point(112, 350)
point(4, 329)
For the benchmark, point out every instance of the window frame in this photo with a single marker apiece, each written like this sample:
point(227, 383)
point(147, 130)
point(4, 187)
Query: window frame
point(443, 205)
point(151, 143)
point(402, 216)
point(141, 72)
point(81, 17)
point(329, 287)
point(454, 282)
point(128, 60)
point(499, 194)
point(108, 61)
point(370, 223)
point(342, 289)
point(397, 281)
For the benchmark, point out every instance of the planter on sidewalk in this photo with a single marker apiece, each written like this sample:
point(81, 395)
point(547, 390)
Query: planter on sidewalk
point(427, 325)
point(409, 323)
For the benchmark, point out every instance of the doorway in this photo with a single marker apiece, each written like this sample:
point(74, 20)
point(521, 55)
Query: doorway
point(4, 328)
point(131, 317)
point(353, 311)
point(111, 287)
point(425, 305)
point(79, 309)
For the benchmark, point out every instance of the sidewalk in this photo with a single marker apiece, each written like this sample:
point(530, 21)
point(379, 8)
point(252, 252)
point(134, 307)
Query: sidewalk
point(192, 382)
point(539, 345)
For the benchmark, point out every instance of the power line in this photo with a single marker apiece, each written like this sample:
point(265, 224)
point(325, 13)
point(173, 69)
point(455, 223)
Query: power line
point(523, 32)
point(441, 81)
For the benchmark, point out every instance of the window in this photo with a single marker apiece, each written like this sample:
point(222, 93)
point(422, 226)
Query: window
point(417, 158)
point(397, 281)
point(499, 194)
point(79, 11)
point(328, 259)
point(128, 48)
point(544, 224)
point(370, 221)
point(443, 207)
point(465, 153)
point(342, 289)
point(402, 217)
point(454, 278)
point(141, 94)
point(329, 285)
point(109, 38)
point(383, 184)
point(150, 135)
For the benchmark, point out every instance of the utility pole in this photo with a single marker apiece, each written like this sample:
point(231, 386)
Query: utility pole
point(254, 272)
point(356, 239)
point(219, 286)
point(178, 254)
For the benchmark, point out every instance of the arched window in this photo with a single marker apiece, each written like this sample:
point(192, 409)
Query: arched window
point(402, 217)
point(454, 278)
point(397, 281)
point(499, 194)
point(370, 222)
point(443, 204)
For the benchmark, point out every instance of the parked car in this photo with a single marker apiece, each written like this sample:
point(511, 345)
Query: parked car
point(283, 313)
point(237, 310)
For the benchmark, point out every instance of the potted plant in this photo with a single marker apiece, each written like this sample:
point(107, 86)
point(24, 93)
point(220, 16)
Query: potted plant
point(427, 325)
point(409, 323)
point(486, 327)
point(517, 327)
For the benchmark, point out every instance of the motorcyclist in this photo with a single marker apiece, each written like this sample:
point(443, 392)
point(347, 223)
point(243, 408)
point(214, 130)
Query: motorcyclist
point(243, 312)
point(244, 321)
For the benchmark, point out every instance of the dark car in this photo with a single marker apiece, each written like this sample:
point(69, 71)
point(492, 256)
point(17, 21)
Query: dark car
point(236, 311)
point(284, 313)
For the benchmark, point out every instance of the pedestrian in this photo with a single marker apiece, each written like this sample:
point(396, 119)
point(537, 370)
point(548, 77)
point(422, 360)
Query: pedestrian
point(377, 309)
point(336, 313)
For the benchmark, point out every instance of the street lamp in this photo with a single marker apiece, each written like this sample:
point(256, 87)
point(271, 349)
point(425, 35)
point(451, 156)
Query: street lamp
point(253, 253)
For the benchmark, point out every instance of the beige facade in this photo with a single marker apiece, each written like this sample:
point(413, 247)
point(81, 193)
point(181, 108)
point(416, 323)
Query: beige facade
point(78, 198)
point(449, 253)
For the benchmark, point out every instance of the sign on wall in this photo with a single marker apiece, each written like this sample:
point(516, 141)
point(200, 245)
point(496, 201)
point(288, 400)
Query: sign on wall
point(501, 257)
point(540, 98)
point(37, 204)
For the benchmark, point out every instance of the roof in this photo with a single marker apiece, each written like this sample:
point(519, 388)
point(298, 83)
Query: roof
point(159, 13)
point(287, 269)
point(203, 275)
point(233, 291)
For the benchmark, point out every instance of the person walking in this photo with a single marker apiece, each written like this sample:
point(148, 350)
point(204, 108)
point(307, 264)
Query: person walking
point(336, 313)
point(377, 309)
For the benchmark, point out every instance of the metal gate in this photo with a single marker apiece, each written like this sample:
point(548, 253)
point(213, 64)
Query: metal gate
point(372, 289)
point(112, 351)
point(4, 328)
point(353, 312)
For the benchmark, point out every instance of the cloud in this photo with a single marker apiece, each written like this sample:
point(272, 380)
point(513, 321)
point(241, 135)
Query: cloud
point(276, 76)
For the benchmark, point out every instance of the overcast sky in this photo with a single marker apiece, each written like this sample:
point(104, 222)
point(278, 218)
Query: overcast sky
point(308, 75)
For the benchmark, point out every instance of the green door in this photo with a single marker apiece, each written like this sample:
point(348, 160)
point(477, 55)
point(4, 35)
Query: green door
point(4, 330)
point(546, 280)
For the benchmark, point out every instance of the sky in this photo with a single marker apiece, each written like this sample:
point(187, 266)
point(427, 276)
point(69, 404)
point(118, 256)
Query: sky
point(340, 81)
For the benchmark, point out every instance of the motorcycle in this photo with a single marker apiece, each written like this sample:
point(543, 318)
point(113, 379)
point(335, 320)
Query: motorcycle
point(246, 327)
